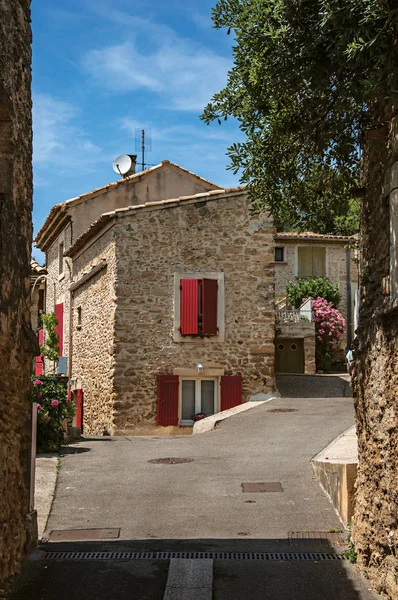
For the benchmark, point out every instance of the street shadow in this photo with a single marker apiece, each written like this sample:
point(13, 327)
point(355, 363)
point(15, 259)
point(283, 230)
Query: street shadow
point(243, 569)
point(72, 450)
point(313, 386)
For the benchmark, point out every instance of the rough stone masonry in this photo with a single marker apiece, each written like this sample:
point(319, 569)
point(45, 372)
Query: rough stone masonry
point(18, 345)
point(127, 304)
point(375, 527)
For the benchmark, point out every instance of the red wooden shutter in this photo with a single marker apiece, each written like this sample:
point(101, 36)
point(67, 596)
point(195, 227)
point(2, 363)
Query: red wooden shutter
point(209, 306)
point(39, 359)
point(59, 314)
point(231, 391)
point(79, 409)
point(167, 408)
point(189, 306)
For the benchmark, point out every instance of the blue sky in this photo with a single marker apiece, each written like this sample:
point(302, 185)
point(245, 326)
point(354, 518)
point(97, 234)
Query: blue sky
point(102, 69)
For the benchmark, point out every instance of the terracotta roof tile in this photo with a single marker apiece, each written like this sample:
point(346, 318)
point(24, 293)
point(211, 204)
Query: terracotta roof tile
point(148, 206)
point(97, 191)
point(35, 268)
point(309, 235)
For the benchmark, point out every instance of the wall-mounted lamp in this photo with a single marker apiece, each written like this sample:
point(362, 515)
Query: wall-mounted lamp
point(200, 368)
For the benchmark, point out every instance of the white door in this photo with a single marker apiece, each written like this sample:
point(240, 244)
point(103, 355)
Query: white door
point(197, 396)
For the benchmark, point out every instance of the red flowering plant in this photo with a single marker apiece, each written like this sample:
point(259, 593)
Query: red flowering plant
point(330, 326)
point(53, 407)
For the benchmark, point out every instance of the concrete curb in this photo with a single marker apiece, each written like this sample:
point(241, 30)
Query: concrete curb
point(336, 469)
point(209, 423)
point(45, 484)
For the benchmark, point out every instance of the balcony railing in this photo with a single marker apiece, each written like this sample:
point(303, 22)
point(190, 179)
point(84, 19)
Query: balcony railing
point(294, 316)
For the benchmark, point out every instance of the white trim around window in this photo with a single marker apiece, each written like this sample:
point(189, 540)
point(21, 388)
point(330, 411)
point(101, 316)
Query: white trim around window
point(311, 246)
point(198, 407)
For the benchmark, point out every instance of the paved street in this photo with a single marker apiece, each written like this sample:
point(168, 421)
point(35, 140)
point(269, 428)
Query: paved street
point(200, 506)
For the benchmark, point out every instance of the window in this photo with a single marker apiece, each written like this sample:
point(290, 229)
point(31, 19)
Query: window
point(311, 261)
point(198, 307)
point(197, 395)
point(79, 317)
point(279, 254)
point(179, 399)
point(61, 258)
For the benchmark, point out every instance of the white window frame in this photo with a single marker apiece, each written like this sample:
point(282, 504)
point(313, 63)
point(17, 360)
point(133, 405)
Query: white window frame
point(296, 261)
point(190, 422)
point(220, 308)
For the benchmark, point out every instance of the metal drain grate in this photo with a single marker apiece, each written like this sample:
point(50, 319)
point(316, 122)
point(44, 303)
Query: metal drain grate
point(317, 556)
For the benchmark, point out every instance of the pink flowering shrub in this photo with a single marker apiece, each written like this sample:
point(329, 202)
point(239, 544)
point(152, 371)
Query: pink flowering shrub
point(330, 327)
point(52, 410)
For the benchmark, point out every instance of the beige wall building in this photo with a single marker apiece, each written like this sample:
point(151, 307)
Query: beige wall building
point(302, 256)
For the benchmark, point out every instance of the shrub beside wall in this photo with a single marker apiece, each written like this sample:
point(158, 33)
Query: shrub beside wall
point(53, 408)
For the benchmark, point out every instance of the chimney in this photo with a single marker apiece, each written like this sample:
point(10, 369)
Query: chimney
point(125, 164)
point(131, 170)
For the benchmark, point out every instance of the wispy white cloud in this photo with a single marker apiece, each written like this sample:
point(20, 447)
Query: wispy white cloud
point(177, 133)
point(58, 140)
point(181, 73)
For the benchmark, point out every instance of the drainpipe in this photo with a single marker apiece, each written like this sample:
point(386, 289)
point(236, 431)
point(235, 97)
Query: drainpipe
point(348, 288)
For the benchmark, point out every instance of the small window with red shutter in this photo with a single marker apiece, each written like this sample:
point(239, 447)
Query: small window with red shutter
point(198, 306)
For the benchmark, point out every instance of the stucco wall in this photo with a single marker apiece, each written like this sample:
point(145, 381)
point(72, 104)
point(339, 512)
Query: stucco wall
point(375, 527)
point(162, 184)
point(92, 358)
point(17, 341)
point(213, 236)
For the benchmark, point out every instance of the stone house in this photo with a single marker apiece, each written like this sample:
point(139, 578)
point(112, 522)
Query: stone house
point(305, 255)
point(170, 307)
point(68, 220)
point(18, 344)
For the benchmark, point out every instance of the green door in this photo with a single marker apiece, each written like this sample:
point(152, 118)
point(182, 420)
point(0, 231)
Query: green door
point(289, 355)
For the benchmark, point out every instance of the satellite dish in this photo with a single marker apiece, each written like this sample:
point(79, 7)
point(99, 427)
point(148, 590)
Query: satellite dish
point(124, 164)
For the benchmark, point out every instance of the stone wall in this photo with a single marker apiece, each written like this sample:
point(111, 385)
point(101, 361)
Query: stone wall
point(214, 236)
point(92, 361)
point(57, 286)
point(336, 268)
point(17, 341)
point(375, 527)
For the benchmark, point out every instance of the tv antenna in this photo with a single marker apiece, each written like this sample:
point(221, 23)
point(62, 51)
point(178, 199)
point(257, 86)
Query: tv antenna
point(143, 142)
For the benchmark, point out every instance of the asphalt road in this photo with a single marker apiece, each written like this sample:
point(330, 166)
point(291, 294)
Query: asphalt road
point(108, 482)
point(200, 506)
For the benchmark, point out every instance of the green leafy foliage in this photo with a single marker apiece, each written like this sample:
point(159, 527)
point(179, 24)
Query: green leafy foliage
point(50, 348)
point(315, 287)
point(307, 79)
point(53, 407)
